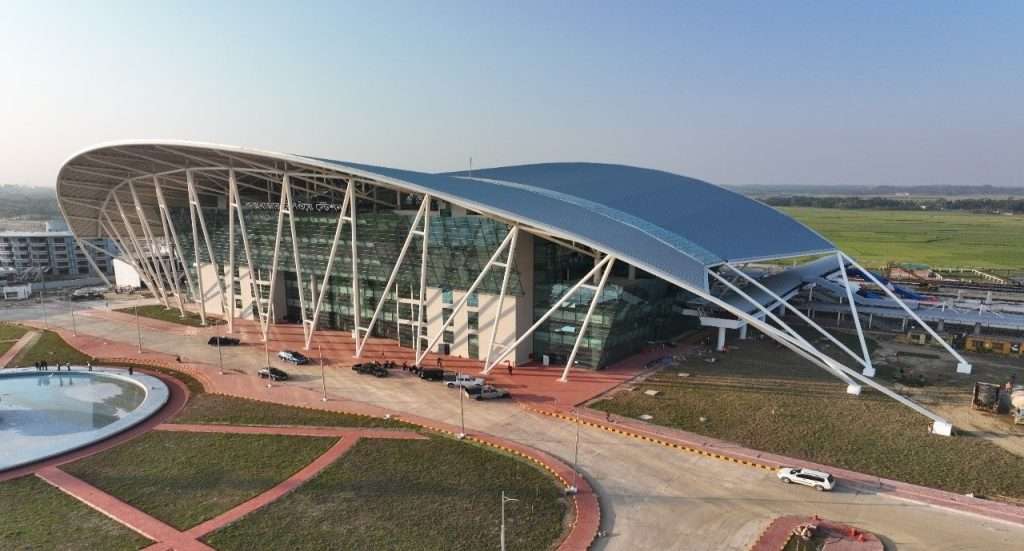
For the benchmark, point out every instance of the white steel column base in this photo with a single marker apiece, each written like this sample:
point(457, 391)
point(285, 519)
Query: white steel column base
point(963, 367)
point(868, 372)
point(721, 339)
point(853, 390)
point(942, 429)
point(743, 333)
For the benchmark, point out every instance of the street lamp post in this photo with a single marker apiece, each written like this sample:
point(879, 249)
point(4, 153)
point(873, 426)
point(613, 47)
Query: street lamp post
point(323, 378)
point(462, 408)
point(220, 356)
point(138, 325)
point(74, 324)
point(504, 500)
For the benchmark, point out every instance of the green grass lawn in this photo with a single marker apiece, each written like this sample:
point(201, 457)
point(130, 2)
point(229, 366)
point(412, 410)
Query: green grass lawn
point(408, 495)
point(9, 334)
point(186, 478)
point(35, 515)
point(228, 410)
point(173, 315)
point(52, 348)
point(788, 407)
point(939, 239)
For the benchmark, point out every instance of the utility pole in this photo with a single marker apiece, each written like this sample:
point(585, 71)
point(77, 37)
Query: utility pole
point(74, 324)
point(503, 501)
point(462, 408)
point(220, 355)
point(576, 456)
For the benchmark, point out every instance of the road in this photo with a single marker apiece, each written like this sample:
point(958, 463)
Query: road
point(652, 497)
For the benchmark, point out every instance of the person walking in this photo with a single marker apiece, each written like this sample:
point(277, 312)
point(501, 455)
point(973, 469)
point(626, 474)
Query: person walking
point(131, 371)
point(509, 364)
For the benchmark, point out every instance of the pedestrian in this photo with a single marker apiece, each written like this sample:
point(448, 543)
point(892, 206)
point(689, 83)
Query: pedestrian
point(177, 359)
point(37, 366)
point(509, 364)
point(608, 416)
point(88, 365)
point(131, 371)
point(45, 366)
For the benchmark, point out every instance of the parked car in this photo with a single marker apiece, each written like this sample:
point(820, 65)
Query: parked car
point(293, 357)
point(432, 373)
point(485, 392)
point(223, 341)
point(272, 373)
point(816, 479)
point(456, 380)
point(371, 368)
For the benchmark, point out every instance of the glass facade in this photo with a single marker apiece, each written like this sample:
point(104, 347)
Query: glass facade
point(630, 313)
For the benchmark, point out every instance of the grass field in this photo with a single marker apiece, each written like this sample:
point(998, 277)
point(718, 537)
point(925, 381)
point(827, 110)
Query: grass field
point(227, 410)
point(436, 494)
point(9, 334)
point(939, 239)
point(786, 406)
point(158, 312)
point(35, 515)
point(186, 478)
point(52, 348)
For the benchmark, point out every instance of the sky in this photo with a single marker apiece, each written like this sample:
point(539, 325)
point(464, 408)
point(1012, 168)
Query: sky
point(736, 93)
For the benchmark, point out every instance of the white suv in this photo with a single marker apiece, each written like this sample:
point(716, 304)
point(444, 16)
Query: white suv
point(816, 479)
point(462, 381)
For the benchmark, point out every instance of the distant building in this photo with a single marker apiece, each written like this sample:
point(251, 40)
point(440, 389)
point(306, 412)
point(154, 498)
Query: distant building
point(28, 252)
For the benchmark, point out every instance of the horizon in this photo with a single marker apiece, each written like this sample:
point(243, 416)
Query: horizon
point(737, 94)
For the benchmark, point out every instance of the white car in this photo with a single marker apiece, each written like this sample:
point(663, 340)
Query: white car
point(485, 392)
point(463, 381)
point(816, 479)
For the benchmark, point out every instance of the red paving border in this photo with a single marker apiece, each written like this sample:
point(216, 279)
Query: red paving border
point(586, 509)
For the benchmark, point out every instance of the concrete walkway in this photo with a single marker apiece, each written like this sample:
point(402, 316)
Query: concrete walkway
point(15, 349)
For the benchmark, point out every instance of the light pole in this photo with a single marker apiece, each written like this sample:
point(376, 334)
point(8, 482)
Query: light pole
point(138, 325)
point(42, 295)
point(504, 500)
point(462, 409)
point(323, 378)
point(571, 490)
point(74, 324)
point(220, 355)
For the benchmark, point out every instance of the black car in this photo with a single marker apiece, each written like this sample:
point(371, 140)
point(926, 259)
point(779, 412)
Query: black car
point(431, 373)
point(371, 368)
point(272, 373)
point(223, 341)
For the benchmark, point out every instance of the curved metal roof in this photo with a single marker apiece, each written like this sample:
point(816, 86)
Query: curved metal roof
point(670, 225)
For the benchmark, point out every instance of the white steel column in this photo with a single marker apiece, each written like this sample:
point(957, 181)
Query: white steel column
point(287, 191)
point(161, 271)
point(156, 288)
point(869, 370)
point(111, 229)
point(92, 262)
point(811, 353)
point(799, 314)
point(360, 343)
point(501, 294)
point(586, 320)
point(940, 425)
point(189, 181)
point(166, 214)
point(318, 298)
point(277, 250)
point(423, 286)
point(572, 291)
point(170, 249)
point(493, 261)
point(963, 366)
point(352, 208)
point(195, 252)
point(235, 204)
point(230, 314)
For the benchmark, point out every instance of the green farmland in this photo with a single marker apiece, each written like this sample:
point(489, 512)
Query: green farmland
point(939, 239)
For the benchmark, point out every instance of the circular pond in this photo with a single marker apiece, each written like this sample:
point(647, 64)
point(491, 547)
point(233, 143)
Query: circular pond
point(47, 413)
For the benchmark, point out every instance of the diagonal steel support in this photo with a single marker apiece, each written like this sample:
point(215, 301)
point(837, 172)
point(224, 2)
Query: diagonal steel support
point(796, 311)
point(111, 230)
point(501, 294)
point(810, 353)
point(413, 231)
point(235, 204)
point(318, 296)
point(869, 370)
point(586, 320)
point(92, 262)
point(285, 182)
point(177, 250)
point(505, 244)
point(156, 287)
point(566, 296)
point(170, 247)
point(198, 209)
point(963, 366)
point(161, 270)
